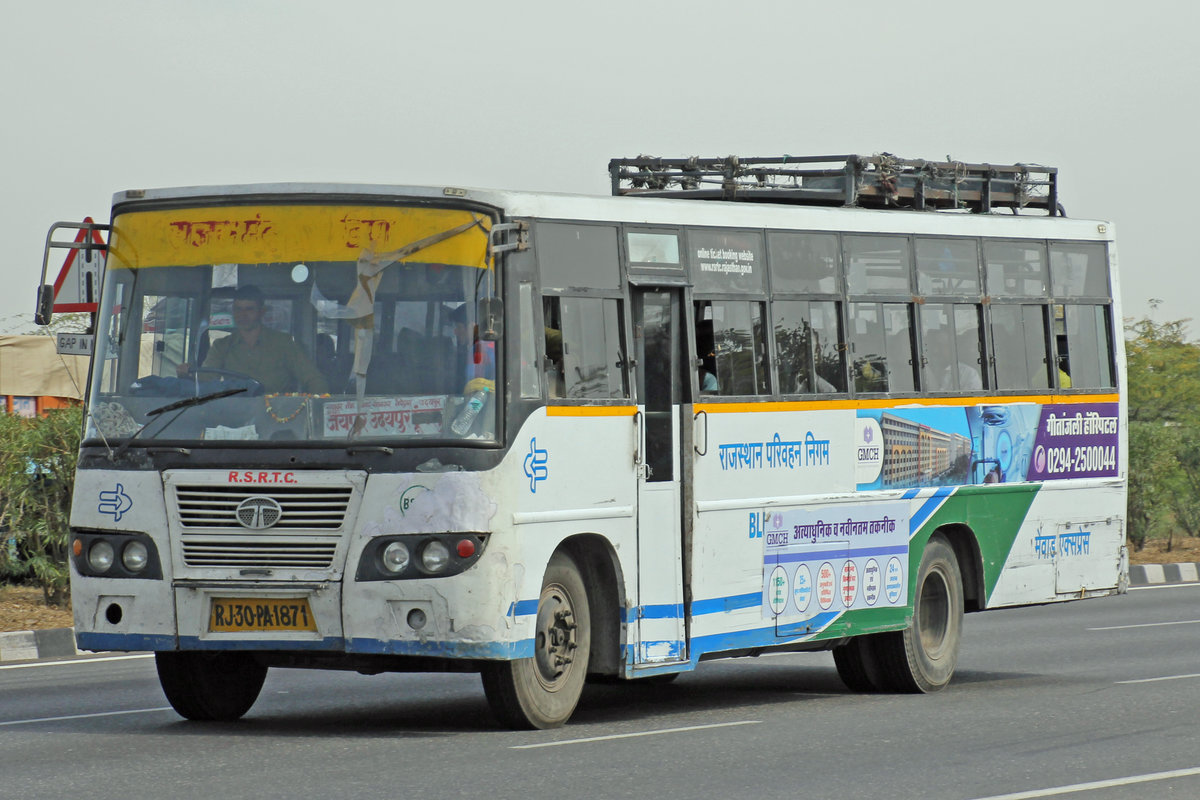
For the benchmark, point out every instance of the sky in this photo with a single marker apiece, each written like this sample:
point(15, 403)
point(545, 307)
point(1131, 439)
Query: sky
point(101, 97)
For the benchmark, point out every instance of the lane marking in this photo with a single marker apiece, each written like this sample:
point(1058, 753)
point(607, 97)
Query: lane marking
point(1145, 625)
point(1085, 787)
point(634, 735)
point(1191, 585)
point(75, 661)
point(1164, 678)
point(86, 716)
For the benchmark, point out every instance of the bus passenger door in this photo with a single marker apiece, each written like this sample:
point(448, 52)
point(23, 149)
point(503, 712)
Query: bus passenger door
point(660, 632)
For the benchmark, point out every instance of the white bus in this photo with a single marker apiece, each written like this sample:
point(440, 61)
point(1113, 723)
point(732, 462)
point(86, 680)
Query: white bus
point(742, 406)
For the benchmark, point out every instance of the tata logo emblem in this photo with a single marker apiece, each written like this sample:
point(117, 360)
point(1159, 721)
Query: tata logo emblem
point(258, 512)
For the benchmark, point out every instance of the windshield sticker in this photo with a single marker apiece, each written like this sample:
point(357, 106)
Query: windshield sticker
point(115, 503)
point(385, 416)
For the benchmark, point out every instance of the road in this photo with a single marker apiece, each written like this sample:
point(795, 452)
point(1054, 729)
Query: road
point(1085, 700)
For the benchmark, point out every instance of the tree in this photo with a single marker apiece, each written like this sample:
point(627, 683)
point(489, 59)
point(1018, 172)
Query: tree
point(37, 476)
point(1164, 435)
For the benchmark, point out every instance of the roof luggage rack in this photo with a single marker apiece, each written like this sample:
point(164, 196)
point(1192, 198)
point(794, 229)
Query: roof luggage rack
point(878, 181)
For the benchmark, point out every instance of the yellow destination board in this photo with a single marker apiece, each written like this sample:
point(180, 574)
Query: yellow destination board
point(264, 234)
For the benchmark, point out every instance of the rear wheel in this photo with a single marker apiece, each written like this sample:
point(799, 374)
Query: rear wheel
point(858, 666)
point(542, 692)
point(922, 657)
point(210, 686)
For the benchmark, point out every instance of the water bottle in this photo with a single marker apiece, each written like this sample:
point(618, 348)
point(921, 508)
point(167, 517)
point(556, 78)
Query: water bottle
point(470, 411)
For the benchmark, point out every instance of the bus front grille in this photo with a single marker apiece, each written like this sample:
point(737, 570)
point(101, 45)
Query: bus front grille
point(255, 552)
point(307, 508)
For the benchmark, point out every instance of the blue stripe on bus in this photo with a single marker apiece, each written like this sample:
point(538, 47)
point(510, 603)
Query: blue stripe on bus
point(661, 611)
point(911, 493)
point(522, 608)
point(197, 643)
point(443, 649)
point(761, 637)
point(854, 552)
point(670, 650)
point(124, 641)
point(931, 505)
point(719, 605)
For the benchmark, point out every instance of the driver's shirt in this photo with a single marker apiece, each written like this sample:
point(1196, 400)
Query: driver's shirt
point(275, 361)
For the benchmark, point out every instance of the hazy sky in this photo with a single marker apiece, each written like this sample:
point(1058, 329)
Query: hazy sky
point(100, 97)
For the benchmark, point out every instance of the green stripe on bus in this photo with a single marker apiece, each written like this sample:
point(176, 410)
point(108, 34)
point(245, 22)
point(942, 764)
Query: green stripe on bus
point(995, 515)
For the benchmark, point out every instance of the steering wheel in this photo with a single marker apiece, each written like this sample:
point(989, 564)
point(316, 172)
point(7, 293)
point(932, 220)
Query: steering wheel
point(254, 386)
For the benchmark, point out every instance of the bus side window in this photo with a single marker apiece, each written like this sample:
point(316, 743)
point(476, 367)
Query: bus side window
point(584, 347)
point(807, 347)
point(739, 345)
point(881, 344)
point(951, 347)
point(1022, 359)
point(1084, 347)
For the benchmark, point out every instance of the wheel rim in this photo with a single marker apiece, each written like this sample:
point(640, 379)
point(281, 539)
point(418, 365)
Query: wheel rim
point(933, 614)
point(554, 652)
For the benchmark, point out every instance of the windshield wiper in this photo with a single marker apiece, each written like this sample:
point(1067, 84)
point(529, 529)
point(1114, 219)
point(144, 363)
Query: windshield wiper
point(186, 402)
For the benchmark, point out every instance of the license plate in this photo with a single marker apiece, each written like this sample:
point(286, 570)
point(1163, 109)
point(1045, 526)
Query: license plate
point(235, 614)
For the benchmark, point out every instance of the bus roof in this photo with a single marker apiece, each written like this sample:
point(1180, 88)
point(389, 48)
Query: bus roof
point(637, 209)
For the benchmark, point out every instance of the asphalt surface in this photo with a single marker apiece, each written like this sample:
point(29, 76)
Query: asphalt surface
point(1090, 699)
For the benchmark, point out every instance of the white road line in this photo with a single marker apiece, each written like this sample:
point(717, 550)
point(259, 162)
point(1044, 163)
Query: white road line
point(1164, 678)
point(634, 735)
point(1159, 586)
point(85, 716)
point(1085, 787)
point(69, 661)
point(1146, 625)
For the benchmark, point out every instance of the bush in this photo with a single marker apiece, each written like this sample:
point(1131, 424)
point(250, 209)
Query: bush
point(37, 475)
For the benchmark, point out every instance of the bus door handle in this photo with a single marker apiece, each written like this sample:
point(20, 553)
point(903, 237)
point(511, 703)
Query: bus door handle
point(700, 433)
point(639, 433)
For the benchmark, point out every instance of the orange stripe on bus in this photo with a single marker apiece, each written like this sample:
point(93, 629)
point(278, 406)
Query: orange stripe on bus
point(590, 411)
point(905, 402)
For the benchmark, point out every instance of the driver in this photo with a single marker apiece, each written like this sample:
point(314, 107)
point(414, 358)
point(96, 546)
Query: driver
point(268, 356)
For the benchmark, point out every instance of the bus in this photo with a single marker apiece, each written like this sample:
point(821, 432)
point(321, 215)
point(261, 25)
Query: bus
point(741, 406)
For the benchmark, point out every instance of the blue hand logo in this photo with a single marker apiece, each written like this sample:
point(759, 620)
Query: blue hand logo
point(535, 465)
point(115, 503)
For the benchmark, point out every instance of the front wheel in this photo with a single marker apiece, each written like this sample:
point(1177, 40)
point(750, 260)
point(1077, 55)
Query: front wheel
point(542, 692)
point(210, 686)
point(922, 657)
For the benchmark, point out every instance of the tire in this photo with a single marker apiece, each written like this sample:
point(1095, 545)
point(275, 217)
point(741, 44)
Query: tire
point(210, 687)
point(858, 665)
point(542, 692)
point(922, 657)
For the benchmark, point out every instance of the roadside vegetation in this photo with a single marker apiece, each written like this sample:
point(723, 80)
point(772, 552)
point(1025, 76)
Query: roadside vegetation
point(1164, 434)
point(37, 473)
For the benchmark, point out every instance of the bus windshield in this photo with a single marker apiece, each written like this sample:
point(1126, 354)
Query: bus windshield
point(319, 323)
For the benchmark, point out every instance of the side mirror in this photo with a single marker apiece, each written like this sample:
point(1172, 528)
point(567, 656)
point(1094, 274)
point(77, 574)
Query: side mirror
point(45, 304)
point(491, 319)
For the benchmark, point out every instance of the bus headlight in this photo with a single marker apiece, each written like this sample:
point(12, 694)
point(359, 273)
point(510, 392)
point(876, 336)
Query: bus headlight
point(100, 556)
point(395, 557)
point(412, 556)
point(135, 557)
point(435, 556)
